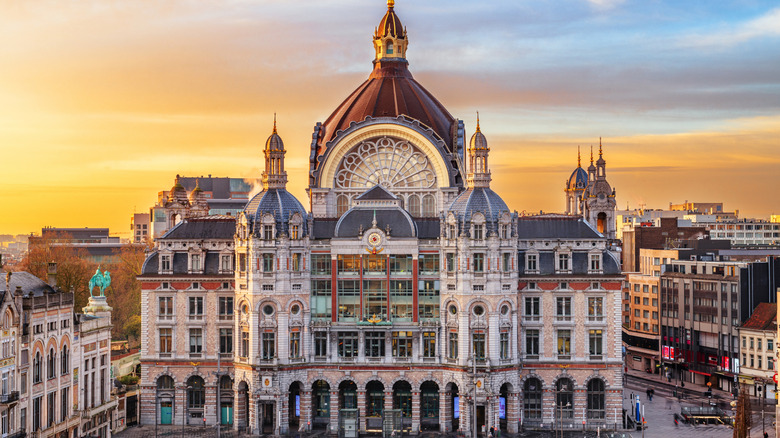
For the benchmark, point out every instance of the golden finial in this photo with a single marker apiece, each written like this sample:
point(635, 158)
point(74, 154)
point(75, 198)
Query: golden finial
point(390, 4)
point(579, 162)
point(599, 147)
point(478, 130)
point(274, 123)
point(591, 155)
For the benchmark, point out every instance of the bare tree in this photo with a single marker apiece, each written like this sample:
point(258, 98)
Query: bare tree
point(742, 419)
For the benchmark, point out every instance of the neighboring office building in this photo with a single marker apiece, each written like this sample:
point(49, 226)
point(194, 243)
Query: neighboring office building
point(98, 245)
point(140, 226)
point(742, 232)
point(758, 337)
point(664, 234)
point(641, 322)
point(704, 208)
point(703, 303)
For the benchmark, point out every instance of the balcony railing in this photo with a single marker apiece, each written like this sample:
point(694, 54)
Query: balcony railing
point(11, 397)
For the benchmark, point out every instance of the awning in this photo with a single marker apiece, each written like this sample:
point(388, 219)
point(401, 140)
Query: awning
point(700, 372)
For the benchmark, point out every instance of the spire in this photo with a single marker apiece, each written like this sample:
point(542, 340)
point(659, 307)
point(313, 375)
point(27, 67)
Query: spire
point(478, 130)
point(599, 147)
point(479, 174)
point(274, 176)
point(579, 161)
point(591, 155)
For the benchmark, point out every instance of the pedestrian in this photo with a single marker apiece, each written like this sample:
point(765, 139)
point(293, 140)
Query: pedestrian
point(492, 431)
point(766, 435)
point(652, 393)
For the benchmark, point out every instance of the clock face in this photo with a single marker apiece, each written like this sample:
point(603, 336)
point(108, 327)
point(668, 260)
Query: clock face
point(374, 239)
point(601, 196)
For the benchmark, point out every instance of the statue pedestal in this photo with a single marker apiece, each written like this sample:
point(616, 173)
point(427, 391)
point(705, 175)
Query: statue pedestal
point(97, 306)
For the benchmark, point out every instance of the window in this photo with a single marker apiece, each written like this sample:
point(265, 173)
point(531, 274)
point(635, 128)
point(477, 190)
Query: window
point(532, 308)
point(503, 341)
point(348, 344)
point(758, 343)
point(532, 342)
point(595, 342)
point(196, 342)
point(532, 399)
point(269, 345)
point(770, 363)
point(478, 344)
point(51, 364)
point(530, 262)
point(51, 403)
point(320, 299)
point(752, 344)
point(428, 299)
point(505, 231)
point(65, 360)
point(244, 344)
point(296, 262)
point(320, 344)
point(479, 262)
point(564, 344)
point(166, 308)
point(563, 262)
point(225, 308)
point(595, 308)
point(64, 404)
point(166, 342)
point(596, 399)
point(268, 262)
point(451, 265)
point(452, 350)
point(36, 416)
point(375, 344)
point(428, 264)
point(563, 308)
point(242, 262)
point(595, 262)
point(770, 344)
point(37, 374)
point(295, 232)
point(196, 308)
point(320, 264)
point(226, 341)
point(402, 344)
point(165, 263)
point(295, 344)
point(429, 344)
point(479, 232)
point(759, 362)
point(226, 263)
point(506, 264)
point(195, 262)
point(268, 232)
point(389, 49)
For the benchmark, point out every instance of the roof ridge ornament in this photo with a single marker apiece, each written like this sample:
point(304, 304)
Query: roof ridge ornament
point(591, 155)
point(390, 4)
point(274, 123)
point(478, 130)
point(579, 161)
point(599, 147)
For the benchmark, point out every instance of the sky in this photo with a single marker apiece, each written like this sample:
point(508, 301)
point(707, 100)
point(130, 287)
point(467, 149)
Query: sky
point(103, 103)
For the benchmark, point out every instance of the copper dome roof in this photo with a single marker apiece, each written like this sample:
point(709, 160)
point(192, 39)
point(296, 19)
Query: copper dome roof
point(390, 91)
point(390, 25)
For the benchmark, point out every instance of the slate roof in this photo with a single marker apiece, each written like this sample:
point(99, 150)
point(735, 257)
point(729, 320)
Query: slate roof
point(428, 228)
point(27, 281)
point(400, 222)
point(478, 199)
point(281, 204)
point(377, 193)
point(561, 227)
point(764, 317)
point(578, 179)
point(579, 263)
point(209, 227)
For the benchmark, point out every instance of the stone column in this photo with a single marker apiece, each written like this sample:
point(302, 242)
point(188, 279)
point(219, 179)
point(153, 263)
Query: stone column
point(210, 406)
point(445, 417)
point(415, 412)
point(180, 400)
point(306, 414)
point(362, 411)
point(334, 410)
point(284, 411)
point(548, 405)
point(512, 411)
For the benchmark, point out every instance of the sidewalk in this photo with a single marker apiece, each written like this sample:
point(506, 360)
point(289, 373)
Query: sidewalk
point(691, 391)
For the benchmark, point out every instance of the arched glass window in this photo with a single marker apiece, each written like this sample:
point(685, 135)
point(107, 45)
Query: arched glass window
point(532, 399)
point(196, 393)
point(389, 49)
point(165, 382)
point(414, 205)
point(564, 399)
point(320, 395)
point(429, 403)
point(429, 206)
point(402, 398)
point(596, 402)
point(342, 204)
point(375, 398)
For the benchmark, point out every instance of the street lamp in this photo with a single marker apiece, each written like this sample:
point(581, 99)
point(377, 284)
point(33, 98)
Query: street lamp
point(560, 415)
point(184, 408)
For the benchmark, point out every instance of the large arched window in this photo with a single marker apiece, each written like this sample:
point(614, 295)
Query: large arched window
point(375, 399)
point(429, 206)
point(342, 204)
point(414, 205)
point(196, 393)
point(532, 399)
point(165, 382)
point(429, 405)
point(596, 399)
point(389, 47)
point(564, 399)
point(402, 398)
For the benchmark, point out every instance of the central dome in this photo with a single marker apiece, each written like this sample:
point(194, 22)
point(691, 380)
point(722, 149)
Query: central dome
point(390, 90)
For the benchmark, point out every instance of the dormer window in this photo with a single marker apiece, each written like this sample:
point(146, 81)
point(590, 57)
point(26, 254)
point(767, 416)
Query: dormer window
point(165, 263)
point(595, 263)
point(563, 262)
point(505, 231)
point(268, 232)
point(195, 263)
point(295, 232)
point(226, 263)
point(479, 232)
point(531, 264)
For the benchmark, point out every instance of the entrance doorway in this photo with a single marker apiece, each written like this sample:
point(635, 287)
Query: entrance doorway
point(267, 417)
point(481, 419)
point(226, 416)
point(166, 412)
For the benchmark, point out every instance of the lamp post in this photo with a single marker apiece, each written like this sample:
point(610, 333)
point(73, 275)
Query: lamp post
point(560, 416)
point(184, 409)
point(474, 411)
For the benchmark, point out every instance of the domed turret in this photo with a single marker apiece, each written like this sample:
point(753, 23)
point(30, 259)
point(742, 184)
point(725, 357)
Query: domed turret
point(178, 195)
point(478, 140)
point(274, 177)
point(579, 178)
point(199, 205)
point(479, 174)
point(390, 36)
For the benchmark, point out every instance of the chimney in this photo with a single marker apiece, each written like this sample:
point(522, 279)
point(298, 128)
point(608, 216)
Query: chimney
point(53, 274)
